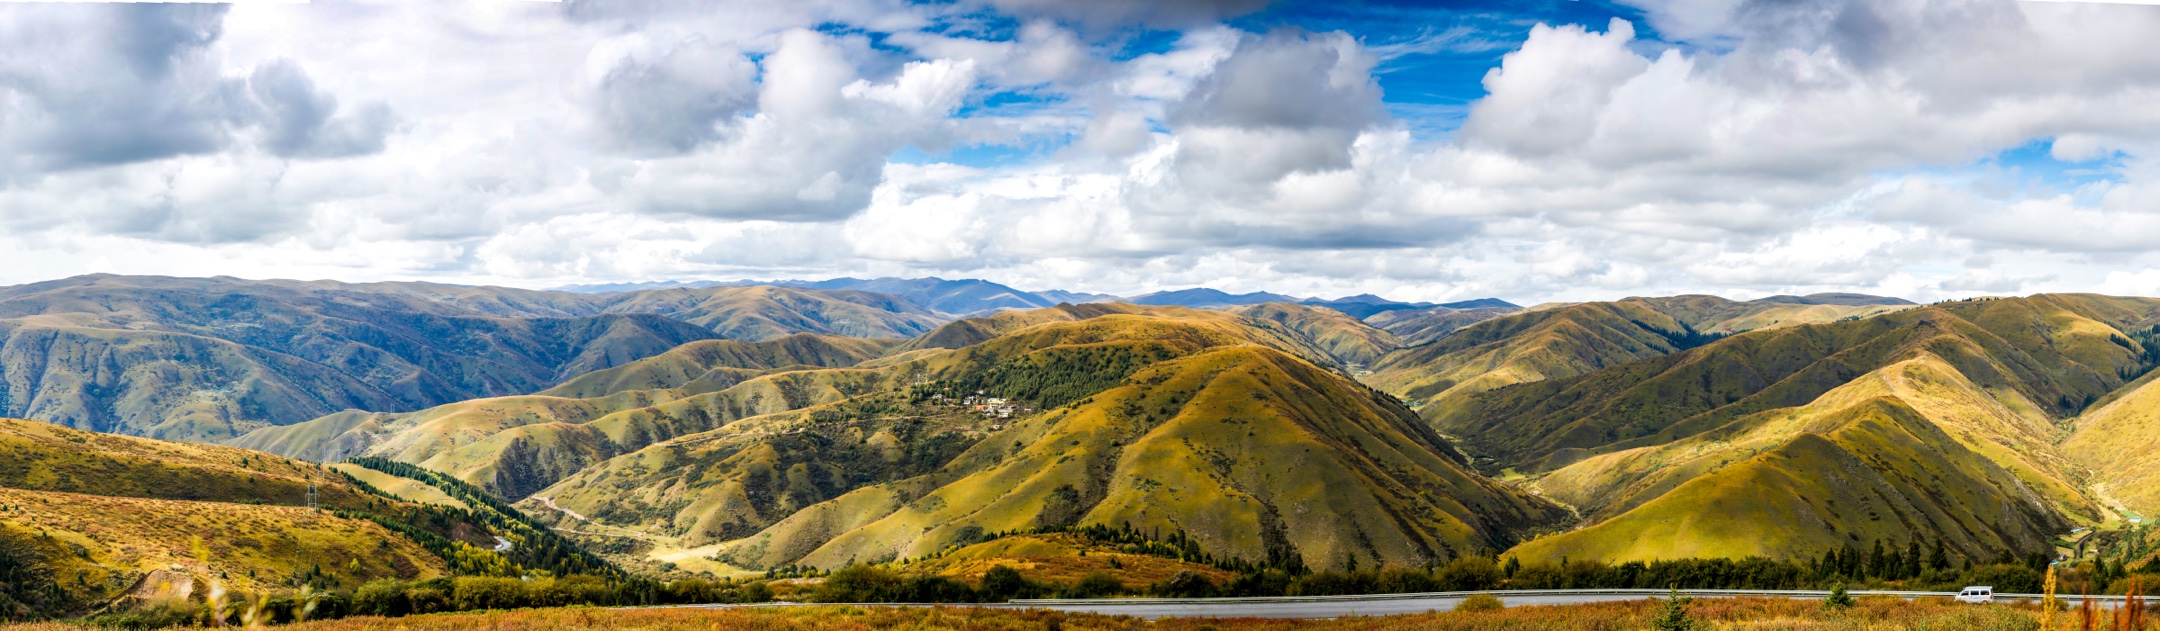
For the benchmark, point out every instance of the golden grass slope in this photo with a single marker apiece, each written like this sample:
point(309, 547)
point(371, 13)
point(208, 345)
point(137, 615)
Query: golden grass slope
point(111, 542)
point(1253, 452)
point(40, 456)
point(2119, 441)
point(711, 365)
point(763, 312)
point(1345, 339)
point(1911, 450)
point(1532, 346)
point(1414, 327)
point(1058, 558)
point(2051, 356)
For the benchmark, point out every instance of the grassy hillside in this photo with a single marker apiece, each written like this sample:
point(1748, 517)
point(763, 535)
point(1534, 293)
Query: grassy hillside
point(100, 514)
point(759, 312)
point(1253, 453)
point(1913, 450)
point(2041, 348)
point(1528, 347)
point(2116, 441)
point(1442, 365)
point(711, 365)
point(208, 359)
point(1421, 326)
point(1345, 339)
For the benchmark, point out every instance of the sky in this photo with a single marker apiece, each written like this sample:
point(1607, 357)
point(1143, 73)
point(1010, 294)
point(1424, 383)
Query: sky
point(1532, 150)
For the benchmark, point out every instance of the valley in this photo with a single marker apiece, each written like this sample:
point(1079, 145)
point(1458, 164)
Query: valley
point(740, 434)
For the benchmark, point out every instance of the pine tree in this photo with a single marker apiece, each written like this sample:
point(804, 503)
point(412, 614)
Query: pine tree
point(1940, 559)
point(1912, 558)
point(1673, 616)
point(1839, 598)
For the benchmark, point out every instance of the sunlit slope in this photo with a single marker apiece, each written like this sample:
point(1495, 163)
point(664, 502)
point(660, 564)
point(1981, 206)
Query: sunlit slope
point(112, 542)
point(406, 489)
point(1527, 347)
point(513, 446)
point(731, 483)
point(762, 312)
point(117, 507)
point(710, 365)
point(2120, 442)
point(708, 495)
point(1345, 339)
point(40, 456)
point(1254, 453)
point(1911, 450)
point(1420, 326)
point(208, 359)
point(2049, 355)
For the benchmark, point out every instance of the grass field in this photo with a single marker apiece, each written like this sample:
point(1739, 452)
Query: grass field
point(1747, 613)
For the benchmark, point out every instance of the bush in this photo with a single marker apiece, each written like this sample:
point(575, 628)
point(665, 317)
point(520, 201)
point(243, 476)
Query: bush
point(757, 592)
point(1673, 614)
point(1097, 585)
point(1003, 583)
point(1480, 602)
point(483, 592)
point(859, 584)
point(427, 599)
point(385, 597)
point(1185, 584)
point(1263, 583)
point(1468, 574)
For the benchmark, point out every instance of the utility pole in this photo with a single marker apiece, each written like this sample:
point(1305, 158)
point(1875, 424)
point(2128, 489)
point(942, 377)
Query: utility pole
point(313, 500)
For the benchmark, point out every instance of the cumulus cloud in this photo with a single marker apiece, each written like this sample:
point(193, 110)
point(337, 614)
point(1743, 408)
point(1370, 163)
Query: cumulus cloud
point(1754, 147)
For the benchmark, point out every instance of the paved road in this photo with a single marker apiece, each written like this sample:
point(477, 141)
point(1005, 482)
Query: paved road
point(1393, 604)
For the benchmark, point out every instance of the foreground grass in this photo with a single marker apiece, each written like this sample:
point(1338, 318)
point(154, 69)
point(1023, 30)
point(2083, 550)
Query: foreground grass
point(1763, 614)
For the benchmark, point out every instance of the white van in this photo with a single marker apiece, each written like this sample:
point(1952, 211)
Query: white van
point(1977, 595)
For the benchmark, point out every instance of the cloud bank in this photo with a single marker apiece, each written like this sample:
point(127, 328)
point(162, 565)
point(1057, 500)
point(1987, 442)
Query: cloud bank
point(1925, 148)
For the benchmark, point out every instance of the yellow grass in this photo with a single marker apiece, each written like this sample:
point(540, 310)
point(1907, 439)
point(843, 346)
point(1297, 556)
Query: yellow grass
point(1721, 614)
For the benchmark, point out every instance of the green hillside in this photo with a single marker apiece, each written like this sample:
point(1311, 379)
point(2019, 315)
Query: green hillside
point(2041, 348)
point(1913, 450)
point(1345, 339)
point(1254, 454)
point(1414, 327)
point(712, 365)
point(1527, 347)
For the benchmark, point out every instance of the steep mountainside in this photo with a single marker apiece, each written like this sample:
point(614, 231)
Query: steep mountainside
point(760, 312)
point(2117, 440)
point(1190, 420)
point(1527, 347)
point(2040, 347)
point(1911, 450)
point(1253, 453)
point(114, 510)
point(1345, 339)
point(1436, 373)
point(711, 365)
point(1422, 326)
point(963, 296)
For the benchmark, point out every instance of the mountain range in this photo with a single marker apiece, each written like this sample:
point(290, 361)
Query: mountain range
point(744, 428)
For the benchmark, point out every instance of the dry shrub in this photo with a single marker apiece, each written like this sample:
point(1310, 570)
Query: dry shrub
point(1480, 603)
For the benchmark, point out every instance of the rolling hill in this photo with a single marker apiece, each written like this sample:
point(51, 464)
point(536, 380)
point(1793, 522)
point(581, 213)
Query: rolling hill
point(1569, 340)
point(1178, 420)
point(107, 514)
point(1414, 327)
point(2045, 349)
point(1913, 449)
point(1345, 339)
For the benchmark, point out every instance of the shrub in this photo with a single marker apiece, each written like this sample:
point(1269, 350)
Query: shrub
point(757, 592)
point(1097, 585)
point(1002, 583)
point(859, 584)
point(427, 599)
point(1185, 584)
point(384, 597)
point(1480, 602)
point(483, 592)
point(1468, 574)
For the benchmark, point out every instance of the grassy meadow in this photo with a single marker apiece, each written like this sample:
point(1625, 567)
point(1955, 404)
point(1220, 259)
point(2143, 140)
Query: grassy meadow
point(1720, 614)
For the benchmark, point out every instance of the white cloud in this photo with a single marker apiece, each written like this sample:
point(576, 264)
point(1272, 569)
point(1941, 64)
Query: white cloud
point(1785, 146)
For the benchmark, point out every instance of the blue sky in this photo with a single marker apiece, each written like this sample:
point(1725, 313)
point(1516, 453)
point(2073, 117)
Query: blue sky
point(1534, 150)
